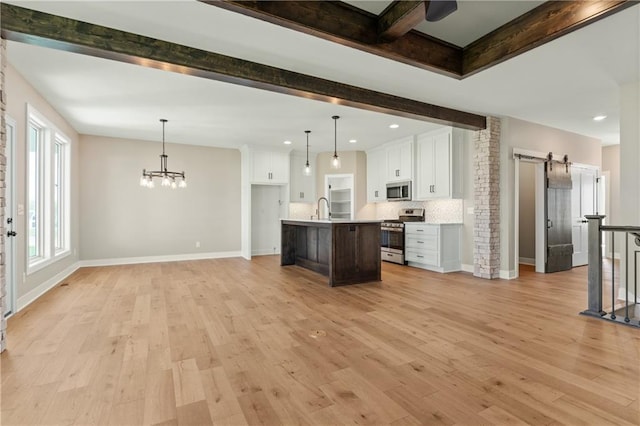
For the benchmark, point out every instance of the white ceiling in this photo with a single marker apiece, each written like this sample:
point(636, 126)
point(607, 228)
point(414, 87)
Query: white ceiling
point(562, 84)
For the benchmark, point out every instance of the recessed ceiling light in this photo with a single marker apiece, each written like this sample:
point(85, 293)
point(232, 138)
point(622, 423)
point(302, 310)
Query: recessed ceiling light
point(287, 142)
point(599, 117)
point(352, 141)
point(394, 126)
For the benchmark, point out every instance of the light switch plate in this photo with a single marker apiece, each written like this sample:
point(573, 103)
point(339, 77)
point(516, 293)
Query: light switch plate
point(469, 210)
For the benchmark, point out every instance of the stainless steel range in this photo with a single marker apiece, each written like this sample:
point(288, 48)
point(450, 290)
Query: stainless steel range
point(392, 237)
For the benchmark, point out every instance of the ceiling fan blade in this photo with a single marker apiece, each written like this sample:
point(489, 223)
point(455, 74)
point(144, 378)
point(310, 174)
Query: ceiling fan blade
point(440, 9)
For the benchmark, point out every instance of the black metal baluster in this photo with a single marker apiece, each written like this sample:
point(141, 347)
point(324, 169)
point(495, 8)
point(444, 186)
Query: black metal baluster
point(626, 277)
point(613, 274)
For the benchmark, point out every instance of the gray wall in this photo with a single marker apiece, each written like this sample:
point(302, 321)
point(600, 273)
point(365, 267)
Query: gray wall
point(121, 219)
point(527, 205)
point(19, 94)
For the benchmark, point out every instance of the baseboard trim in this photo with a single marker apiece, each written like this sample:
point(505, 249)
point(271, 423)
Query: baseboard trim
point(40, 290)
point(265, 252)
point(466, 268)
point(528, 261)
point(621, 295)
point(158, 259)
point(507, 275)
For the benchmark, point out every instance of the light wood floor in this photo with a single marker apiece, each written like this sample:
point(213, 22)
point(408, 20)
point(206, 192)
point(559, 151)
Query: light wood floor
point(236, 342)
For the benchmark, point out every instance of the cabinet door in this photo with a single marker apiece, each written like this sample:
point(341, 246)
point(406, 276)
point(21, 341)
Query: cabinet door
point(261, 166)
point(400, 161)
point(279, 167)
point(376, 170)
point(393, 163)
point(425, 168)
point(406, 161)
point(442, 166)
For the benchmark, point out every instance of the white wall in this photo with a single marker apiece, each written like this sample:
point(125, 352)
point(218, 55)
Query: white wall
point(19, 94)
point(121, 219)
point(611, 164)
point(535, 137)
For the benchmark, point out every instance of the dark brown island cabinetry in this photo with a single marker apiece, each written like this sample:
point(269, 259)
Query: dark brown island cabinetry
point(348, 252)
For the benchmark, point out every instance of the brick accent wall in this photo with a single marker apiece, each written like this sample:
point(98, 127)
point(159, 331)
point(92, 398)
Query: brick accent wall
point(3, 167)
point(486, 231)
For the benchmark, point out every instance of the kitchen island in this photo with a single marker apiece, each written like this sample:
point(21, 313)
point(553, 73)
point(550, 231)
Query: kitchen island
point(346, 251)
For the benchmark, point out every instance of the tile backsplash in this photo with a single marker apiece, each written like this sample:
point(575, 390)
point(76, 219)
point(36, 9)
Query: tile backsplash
point(301, 210)
point(435, 211)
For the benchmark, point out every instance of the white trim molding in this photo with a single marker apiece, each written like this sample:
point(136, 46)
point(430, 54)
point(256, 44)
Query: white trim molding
point(465, 267)
point(158, 259)
point(508, 275)
point(36, 293)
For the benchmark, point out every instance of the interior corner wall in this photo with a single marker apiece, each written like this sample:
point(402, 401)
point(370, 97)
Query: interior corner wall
point(19, 94)
point(121, 219)
point(534, 137)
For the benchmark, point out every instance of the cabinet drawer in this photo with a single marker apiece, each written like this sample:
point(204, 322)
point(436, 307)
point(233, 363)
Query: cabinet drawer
point(427, 257)
point(429, 242)
point(411, 229)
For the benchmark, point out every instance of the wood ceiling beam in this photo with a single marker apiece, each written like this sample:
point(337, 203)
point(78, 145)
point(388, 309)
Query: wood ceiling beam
point(344, 24)
point(52, 31)
point(399, 18)
point(541, 25)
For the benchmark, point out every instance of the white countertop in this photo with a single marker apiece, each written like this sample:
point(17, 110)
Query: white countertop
point(433, 223)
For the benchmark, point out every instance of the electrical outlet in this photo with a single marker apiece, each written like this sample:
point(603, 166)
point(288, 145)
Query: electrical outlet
point(75, 251)
point(197, 244)
point(24, 277)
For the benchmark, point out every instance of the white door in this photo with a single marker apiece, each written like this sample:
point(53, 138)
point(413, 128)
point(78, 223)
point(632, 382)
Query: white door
point(9, 214)
point(583, 199)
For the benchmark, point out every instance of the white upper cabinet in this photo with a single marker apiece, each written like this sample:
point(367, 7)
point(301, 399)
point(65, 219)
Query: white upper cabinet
point(400, 160)
point(270, 167)
point(439, 165)
point(303, 187)
point(376, 177)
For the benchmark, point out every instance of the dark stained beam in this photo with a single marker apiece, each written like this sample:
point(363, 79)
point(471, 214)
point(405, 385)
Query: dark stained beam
point(43, 29)
point(541, 25)
point(347, 25)
point(399, 18)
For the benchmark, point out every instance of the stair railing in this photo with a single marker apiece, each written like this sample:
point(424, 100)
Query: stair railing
point(626, 314)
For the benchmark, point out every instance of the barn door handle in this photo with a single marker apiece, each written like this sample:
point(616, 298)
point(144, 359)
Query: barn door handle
point(549, 223)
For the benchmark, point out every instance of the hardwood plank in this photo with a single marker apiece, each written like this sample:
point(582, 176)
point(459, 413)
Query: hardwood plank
point(52, 31)
point(419, 347)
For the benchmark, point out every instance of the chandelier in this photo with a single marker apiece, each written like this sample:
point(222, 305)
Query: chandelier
point(168, 177)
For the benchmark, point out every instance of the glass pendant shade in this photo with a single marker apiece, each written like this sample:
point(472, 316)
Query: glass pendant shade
point(335, 160)
point(307, 167)
point(168, 178)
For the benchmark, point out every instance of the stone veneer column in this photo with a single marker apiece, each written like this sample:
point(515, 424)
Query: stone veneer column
point(486, 231)
point(3, 167)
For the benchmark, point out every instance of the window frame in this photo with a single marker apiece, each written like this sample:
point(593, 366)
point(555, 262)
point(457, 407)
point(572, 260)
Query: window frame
point(50, 138)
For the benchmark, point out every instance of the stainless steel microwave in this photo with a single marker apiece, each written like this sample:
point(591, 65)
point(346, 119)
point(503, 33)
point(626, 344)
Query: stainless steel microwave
point(399, 191)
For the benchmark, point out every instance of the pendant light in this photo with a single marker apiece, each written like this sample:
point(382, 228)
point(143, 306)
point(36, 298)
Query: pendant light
point(307, 167)
point(168, 177)
point(335, 161)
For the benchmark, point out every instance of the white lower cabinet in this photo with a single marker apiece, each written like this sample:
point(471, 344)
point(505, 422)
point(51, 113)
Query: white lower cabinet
point(435, 247)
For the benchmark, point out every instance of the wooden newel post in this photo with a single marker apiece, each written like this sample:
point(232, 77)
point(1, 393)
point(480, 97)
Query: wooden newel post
point(595, 267)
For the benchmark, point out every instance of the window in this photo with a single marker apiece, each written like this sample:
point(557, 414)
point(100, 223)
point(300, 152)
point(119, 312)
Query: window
point(47, 192)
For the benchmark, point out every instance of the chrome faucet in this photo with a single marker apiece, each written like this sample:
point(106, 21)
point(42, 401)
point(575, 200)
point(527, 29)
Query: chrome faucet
point(328, 207)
